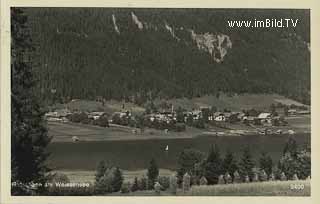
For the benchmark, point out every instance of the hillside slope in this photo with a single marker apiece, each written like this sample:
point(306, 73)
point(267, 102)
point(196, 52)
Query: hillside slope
point(140, 54)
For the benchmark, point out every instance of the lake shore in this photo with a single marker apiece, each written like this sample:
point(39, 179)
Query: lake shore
point(63, 132)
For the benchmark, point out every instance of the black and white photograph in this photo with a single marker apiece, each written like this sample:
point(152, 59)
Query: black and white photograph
point(129, 101)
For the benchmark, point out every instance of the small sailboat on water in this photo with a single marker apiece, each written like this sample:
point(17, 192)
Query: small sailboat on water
point(167, 148)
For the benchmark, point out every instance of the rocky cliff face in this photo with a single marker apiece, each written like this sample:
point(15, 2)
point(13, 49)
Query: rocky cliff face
point(217, 45)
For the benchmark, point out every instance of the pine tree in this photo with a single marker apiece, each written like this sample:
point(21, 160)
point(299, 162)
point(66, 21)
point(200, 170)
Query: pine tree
point(29, 137)
point(246, 164)
point(230, 164)
point(153, 172)
point(135, 185)
point(101, 170)
point(291, 147)
point(189, 161)
point(213, 166)
point(266, 163)
point(117, 180)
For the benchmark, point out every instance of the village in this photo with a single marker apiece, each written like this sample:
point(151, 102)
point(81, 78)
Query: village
point(206, 118)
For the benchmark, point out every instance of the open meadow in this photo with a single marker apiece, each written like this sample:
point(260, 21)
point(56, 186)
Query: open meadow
point(269, 188)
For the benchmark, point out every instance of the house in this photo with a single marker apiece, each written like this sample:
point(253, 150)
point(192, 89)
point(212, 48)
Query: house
point(265, 117)
point(219, 117)
point(95, 115)
point(303, 112)
point(60, 115)
point(241, 115)
point(249, 118)
point(292, 112)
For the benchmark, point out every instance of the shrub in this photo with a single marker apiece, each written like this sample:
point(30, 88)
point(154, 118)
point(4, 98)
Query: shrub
point(104, 185)
point(102, 121)
point(142, 183)
point(294, 161)
point(135, 185)
point(117, 179)
point(125, 187)
point(78, 117)
point(164, 182)
point(86, 121)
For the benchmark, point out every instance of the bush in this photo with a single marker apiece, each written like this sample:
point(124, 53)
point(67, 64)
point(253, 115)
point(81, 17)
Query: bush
point(78, 117)
point(125, 187)
point(87, 121)
point(298, 163)
point(135, 185)
point(117, 179)
point(142, 183)
point(102, 121)
point(164, 182)
point(104, 185)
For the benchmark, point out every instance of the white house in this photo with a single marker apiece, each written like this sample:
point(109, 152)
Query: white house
point(220, 118)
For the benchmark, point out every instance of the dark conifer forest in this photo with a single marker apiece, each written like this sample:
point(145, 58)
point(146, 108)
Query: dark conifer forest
point(140, 54)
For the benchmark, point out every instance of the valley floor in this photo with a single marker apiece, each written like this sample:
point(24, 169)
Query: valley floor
point(63, 132)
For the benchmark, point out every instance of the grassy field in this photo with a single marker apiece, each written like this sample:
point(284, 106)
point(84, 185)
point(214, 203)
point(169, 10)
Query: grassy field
point(88, 176)
point(234, 103)
point(63, 132)
point(273, 188)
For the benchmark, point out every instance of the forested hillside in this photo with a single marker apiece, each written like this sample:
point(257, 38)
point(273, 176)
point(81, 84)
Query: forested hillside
point(138, 54)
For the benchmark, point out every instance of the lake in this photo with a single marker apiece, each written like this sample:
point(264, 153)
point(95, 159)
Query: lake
point(134, 155)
